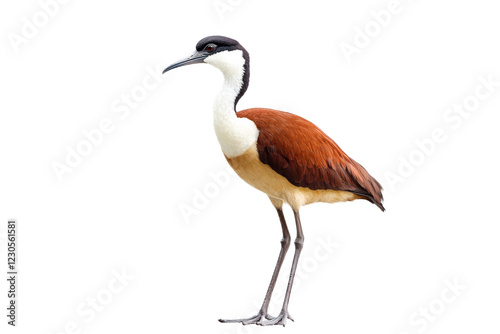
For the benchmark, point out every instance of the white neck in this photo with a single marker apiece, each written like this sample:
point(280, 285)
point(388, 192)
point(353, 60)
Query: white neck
point(235, 134)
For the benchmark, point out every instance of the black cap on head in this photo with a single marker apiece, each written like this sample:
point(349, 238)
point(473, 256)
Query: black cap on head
point(217, 40)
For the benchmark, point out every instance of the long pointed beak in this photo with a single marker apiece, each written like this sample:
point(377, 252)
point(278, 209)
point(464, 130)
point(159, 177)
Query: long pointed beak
point(196, 57)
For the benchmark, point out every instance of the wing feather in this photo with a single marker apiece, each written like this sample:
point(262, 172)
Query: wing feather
point(298, 150)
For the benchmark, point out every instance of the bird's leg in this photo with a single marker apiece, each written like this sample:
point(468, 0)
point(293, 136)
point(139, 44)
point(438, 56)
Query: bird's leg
point(263, 315)
point(299, 242)
point(285, 244)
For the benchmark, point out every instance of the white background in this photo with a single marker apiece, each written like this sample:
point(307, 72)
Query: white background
point(120, 208)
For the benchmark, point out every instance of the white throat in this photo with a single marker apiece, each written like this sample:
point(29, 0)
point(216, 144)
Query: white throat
point(235, 134)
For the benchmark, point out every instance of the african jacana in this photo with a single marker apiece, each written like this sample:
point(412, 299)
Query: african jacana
point(285, 156)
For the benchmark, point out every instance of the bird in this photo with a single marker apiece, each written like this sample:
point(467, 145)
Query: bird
point(279, 153)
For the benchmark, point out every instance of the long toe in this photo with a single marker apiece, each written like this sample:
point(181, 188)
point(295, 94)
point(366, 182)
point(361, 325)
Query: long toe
point(256, 319)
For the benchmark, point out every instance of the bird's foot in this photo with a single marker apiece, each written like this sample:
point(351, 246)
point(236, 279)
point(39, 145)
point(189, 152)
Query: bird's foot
point(279, 320)
point(262, 319)
point(256, 319)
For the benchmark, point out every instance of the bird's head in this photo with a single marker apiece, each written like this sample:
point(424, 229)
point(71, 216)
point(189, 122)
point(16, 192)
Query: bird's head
point(224, 53)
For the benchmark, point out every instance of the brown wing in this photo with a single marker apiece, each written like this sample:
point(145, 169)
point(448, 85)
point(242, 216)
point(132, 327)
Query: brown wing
point(298, 150)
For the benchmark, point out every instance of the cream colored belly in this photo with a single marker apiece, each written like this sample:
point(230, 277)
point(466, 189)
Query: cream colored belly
point(249, 167)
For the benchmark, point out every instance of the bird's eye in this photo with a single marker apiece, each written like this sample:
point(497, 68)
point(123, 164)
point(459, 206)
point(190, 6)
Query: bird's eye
point(209, 48)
